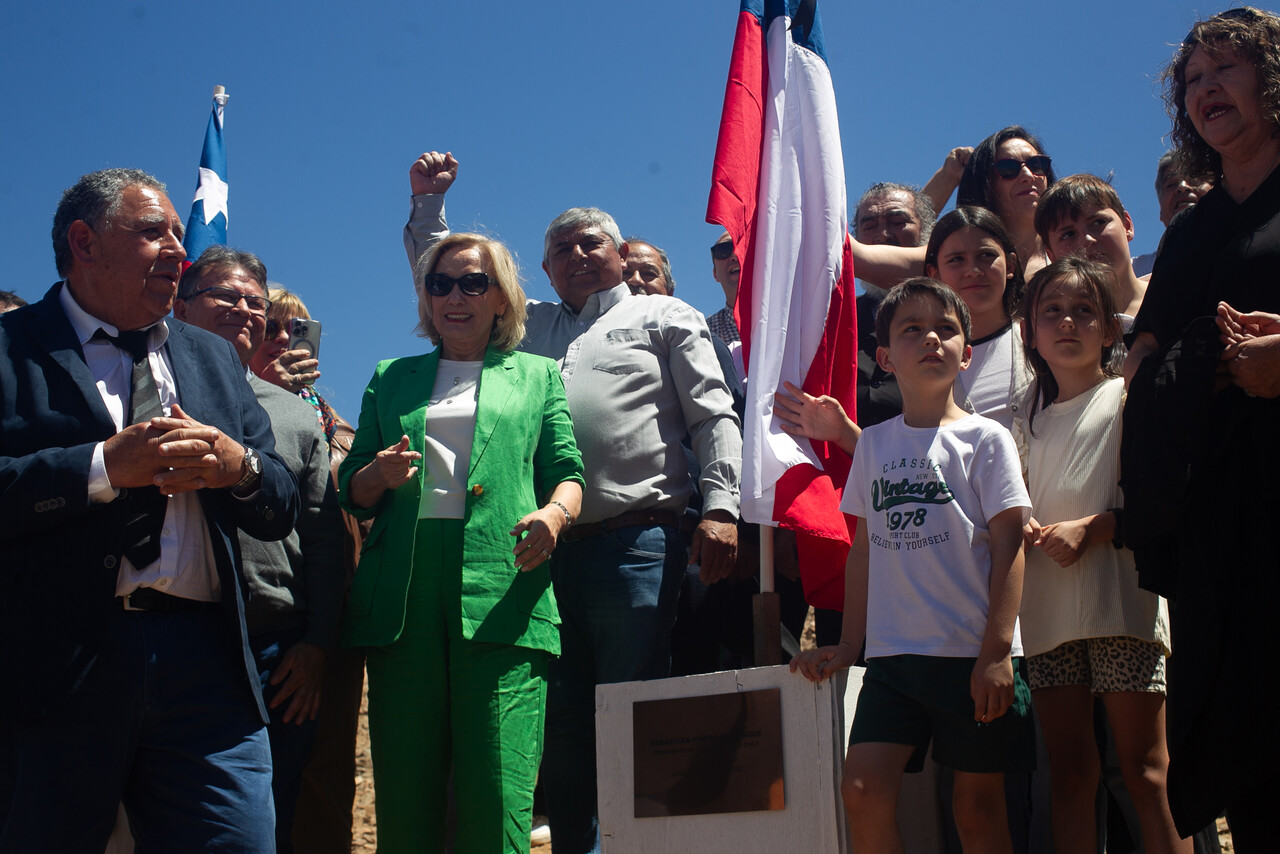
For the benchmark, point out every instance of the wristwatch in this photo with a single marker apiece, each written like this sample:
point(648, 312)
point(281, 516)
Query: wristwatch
point(253, 471)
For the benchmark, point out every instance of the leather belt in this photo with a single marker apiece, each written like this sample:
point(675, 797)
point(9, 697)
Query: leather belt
point(626, 520)
point(150, 599)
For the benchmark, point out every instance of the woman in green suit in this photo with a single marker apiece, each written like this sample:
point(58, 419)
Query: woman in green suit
point(466, 460)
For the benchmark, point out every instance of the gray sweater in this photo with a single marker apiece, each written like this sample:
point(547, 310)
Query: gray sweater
point(298, 581)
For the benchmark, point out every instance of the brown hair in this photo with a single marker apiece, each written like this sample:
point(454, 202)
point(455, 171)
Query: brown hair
point(1095, 279)
point(1072, 197)
point(983, 219)
point(1255, 36)
point(920, 286)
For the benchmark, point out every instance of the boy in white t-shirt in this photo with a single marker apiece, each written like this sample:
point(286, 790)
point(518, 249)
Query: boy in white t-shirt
point(933, 583)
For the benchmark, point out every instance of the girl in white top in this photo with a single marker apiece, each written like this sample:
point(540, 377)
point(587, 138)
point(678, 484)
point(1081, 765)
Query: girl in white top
point(1086, 626)
point(971, 252)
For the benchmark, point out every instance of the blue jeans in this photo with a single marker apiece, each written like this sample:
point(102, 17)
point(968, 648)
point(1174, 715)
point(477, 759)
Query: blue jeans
point(617, 594)
point(164, 720)
point(291, 742)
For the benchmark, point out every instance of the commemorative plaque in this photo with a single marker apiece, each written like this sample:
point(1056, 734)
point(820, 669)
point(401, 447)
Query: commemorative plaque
point(718, 753)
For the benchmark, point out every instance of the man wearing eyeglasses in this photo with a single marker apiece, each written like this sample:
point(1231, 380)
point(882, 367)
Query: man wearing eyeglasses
point(295, 584)
point(131, 451)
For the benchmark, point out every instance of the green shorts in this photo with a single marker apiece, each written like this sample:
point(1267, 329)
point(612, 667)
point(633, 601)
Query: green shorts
point(911, 699)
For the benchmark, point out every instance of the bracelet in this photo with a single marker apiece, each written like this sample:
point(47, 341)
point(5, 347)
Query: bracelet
point(568, 517)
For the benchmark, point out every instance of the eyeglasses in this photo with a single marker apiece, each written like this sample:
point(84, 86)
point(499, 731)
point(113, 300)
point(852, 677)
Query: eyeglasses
point(1038, 165)
point(472, 284)
point(1242, 12)
point(228, 298)
point(722, 251)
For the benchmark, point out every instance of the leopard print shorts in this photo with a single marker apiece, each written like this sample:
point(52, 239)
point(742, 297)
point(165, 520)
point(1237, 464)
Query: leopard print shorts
point(1105, 665)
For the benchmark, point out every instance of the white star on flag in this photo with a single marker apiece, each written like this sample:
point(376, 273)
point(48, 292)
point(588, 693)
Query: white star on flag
point(213, 191)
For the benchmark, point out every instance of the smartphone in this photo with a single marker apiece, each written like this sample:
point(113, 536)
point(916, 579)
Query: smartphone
point(305, 335)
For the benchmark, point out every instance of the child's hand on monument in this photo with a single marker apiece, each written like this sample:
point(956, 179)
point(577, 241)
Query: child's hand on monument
point(818, 664)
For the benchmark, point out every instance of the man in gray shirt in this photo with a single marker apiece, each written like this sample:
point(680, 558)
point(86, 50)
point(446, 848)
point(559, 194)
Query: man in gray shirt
point(640, 373)
point(296, 583)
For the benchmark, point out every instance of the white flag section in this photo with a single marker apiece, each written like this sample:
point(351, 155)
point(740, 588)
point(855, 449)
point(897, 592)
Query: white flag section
point(212, 190)
point(800, 235)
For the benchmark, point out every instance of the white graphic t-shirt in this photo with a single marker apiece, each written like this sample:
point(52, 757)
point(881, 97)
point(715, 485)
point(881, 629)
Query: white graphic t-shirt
point(927, 495)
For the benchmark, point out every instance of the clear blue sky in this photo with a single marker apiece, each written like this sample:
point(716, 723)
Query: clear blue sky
point(546, 105)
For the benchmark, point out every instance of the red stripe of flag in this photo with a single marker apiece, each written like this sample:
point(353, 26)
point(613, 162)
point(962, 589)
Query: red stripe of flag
point(806, 496)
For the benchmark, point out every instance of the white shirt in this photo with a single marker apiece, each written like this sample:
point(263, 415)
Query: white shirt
point(927, 496)
point(451, 431)
point(1073, 463)
point(987, 379)
point(186, 565)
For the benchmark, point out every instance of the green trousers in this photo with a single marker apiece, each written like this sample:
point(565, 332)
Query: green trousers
point(439, 702)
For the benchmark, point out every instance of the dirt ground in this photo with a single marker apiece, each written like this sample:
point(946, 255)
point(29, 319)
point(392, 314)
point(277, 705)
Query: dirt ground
point(365, 829)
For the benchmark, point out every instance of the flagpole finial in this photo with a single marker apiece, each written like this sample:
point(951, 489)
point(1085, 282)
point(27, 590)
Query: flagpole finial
point(220, 95)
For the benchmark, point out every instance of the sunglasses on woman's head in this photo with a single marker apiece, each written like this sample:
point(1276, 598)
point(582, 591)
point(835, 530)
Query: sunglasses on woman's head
point(1009, 168)
point(472, 284)
point(1243, 13)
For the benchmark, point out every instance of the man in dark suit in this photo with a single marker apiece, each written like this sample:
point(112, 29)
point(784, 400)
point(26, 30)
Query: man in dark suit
point(122, 605)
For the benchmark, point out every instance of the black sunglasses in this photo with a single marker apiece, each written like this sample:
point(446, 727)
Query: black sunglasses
point(472, 284)
point(1009, 168)
point(722, 251)
point(274, 326)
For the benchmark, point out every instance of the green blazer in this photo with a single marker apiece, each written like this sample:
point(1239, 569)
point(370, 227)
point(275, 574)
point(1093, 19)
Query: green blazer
point(523, 448)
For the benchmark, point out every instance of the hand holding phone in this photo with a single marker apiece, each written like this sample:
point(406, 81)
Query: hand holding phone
point(304, 334)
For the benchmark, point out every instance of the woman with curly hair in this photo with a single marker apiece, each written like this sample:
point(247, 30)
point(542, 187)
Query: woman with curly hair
point(1209, 397)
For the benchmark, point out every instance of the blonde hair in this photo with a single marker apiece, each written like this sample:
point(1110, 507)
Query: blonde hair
point(285, 304)
point(508, 329)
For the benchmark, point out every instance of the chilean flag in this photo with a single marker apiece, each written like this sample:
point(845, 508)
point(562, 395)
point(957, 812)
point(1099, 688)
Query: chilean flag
point(778, 189)
point(207, 225)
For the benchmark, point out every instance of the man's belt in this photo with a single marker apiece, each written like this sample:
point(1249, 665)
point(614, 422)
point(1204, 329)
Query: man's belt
point(150, 599)
point(626, 520)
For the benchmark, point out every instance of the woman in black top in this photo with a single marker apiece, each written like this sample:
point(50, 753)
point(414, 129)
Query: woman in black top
point(1218, 561)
